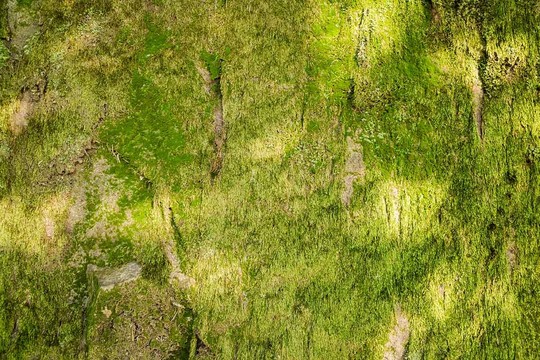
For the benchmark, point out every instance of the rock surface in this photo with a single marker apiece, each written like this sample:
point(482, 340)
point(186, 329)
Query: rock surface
point(108, 278)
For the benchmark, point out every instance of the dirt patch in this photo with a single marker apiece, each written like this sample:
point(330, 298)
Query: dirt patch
point(100, 167)
point(348, 190)
point(435, 16)
point(354, 169)
point(395, 348)
point(108, 278)
point(361, 49)
point(110, 200)
point(129, 219)
point(76, 213)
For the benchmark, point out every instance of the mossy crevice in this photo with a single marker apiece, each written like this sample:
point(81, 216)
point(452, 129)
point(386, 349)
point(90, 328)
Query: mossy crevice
point(211, 72)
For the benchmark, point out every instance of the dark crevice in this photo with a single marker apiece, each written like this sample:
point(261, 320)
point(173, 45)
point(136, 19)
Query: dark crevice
point(351, 96)
point(178, 238)
point(201, 348)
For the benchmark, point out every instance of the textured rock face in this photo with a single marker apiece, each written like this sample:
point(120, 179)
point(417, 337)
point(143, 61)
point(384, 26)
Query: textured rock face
point(398, 338)
point(108, 278)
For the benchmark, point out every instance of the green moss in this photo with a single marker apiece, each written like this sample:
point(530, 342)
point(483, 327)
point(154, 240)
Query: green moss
point(4, 54)
point(154, 263)
point(213, 62)
point(156, 39)
point(443, 225)
point(24, 2)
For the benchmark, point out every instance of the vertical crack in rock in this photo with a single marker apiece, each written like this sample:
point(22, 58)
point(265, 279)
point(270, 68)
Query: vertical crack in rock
point(176, 276)
point(398, 338)
point(354, 170)
point(211, 75)
point(478, 103)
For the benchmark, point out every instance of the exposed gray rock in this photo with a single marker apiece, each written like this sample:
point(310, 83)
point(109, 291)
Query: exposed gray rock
point(398, 338)
point(108, 278)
